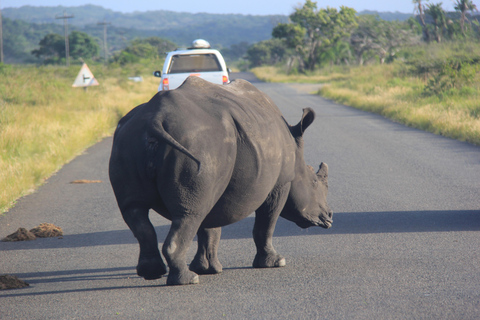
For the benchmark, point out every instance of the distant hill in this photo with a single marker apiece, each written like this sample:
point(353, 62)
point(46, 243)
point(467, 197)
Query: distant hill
point(24, 27)
point(180, 27)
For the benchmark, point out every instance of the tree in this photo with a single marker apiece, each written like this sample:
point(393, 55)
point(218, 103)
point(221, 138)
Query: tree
point(52, 47)
point(268, 52)
point(160, 45)
point(82, 46)
point(312, 28)
point(420, 10)
point(380, 38)
point(235, 52)
point(293, 36)
point(363, 38)
point(337, 54)
point(148, 48)
point(464, 6)
point(439, 20)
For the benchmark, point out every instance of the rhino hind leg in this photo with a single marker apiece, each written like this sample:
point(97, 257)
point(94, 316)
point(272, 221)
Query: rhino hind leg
point(150, 263)
point(175, 247)
point(206, 260)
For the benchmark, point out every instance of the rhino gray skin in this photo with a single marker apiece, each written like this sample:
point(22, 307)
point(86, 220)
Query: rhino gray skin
point(205, 156)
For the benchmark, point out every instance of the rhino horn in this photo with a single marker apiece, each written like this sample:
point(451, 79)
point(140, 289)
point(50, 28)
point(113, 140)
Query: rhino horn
point(323, 170)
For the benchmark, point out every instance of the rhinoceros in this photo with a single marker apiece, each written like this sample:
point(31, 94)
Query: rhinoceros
point(205, 156)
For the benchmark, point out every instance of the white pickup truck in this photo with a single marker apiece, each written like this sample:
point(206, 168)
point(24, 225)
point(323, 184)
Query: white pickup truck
point(199, 60)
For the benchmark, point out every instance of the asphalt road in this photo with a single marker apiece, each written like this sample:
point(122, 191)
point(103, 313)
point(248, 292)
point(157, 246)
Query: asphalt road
point(405, 242)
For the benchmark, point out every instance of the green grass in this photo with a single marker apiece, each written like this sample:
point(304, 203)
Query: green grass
point(392, 91)
point(45, 123)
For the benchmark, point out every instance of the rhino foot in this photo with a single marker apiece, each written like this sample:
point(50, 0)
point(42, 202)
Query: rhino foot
point(204, 266)
point(151, 268)
point(269, 261)
point(183, 278)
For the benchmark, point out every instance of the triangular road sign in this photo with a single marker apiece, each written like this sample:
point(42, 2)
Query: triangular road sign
point(85, 78)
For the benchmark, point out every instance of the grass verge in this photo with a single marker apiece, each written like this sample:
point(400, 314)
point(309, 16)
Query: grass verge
point(391, 91)
point(45, 123)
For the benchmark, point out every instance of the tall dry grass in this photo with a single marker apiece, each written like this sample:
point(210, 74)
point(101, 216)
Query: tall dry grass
point(44, 122)
point(390, 91)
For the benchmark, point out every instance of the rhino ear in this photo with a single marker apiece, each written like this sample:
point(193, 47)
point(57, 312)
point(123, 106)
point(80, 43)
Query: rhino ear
point(307, 119)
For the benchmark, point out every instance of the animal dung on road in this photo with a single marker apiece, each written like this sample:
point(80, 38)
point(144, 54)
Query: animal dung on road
point(21, 234)
point(47, 230)
point(44, 230)
point(83, 181)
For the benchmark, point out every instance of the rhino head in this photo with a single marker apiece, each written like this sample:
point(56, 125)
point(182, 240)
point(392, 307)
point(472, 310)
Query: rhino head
point(307, 201)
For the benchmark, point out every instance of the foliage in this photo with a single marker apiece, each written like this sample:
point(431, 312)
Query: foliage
point(464, 6)
point(31, 24)
point(20, 38)
point(452, 75)
point(438, 25)
point(393, 93)
point(378, 38)
point(267, 52)
point(439, 19)
point(235, 52)
point(420, 11)
point(314, 30)
point(52, 47)
point(152, 48)
point(82, 45)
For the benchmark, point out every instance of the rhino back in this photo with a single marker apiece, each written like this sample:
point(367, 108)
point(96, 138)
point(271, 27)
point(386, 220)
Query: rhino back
point(263, 153)
point(238, 135)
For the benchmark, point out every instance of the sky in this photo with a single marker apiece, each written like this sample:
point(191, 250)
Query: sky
point(253, 7)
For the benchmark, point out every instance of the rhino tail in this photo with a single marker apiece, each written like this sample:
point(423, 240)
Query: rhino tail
point(162, 134)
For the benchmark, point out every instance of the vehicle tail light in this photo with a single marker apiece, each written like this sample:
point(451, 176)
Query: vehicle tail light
point(165, 84)
point(225, 79)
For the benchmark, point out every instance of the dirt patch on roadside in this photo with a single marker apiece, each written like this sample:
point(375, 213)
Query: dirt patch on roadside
point(11, 282)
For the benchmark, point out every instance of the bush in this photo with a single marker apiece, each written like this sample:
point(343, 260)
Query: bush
point(455, 73)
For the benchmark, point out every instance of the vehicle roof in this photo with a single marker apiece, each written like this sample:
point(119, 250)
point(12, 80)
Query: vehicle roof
point(190, 51)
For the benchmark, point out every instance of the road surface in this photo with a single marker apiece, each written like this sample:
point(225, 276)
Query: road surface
point(405, 242)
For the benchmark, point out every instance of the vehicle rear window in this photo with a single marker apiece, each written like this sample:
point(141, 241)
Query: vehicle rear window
point(182, 63)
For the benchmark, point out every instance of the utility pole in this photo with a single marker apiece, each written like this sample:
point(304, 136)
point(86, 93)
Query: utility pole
point(1, 38)
point(65, 24)
point(105, 52)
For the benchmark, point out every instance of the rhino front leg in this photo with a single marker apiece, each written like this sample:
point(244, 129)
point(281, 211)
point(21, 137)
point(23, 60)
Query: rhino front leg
point(175, 249)
point(265, 220)
point(206, 260)
point(150, 264)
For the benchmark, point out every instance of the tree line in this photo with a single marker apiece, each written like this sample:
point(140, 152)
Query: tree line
point(309, 38)
point(24, 27)
point(318, 36)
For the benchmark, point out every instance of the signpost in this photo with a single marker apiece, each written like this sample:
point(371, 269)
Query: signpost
point(85, 78)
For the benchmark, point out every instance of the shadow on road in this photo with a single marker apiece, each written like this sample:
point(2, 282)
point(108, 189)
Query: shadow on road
point(78, 275)
point(344, 223)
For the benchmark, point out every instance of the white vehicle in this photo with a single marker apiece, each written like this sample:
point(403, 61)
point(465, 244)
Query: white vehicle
point(199, 60)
